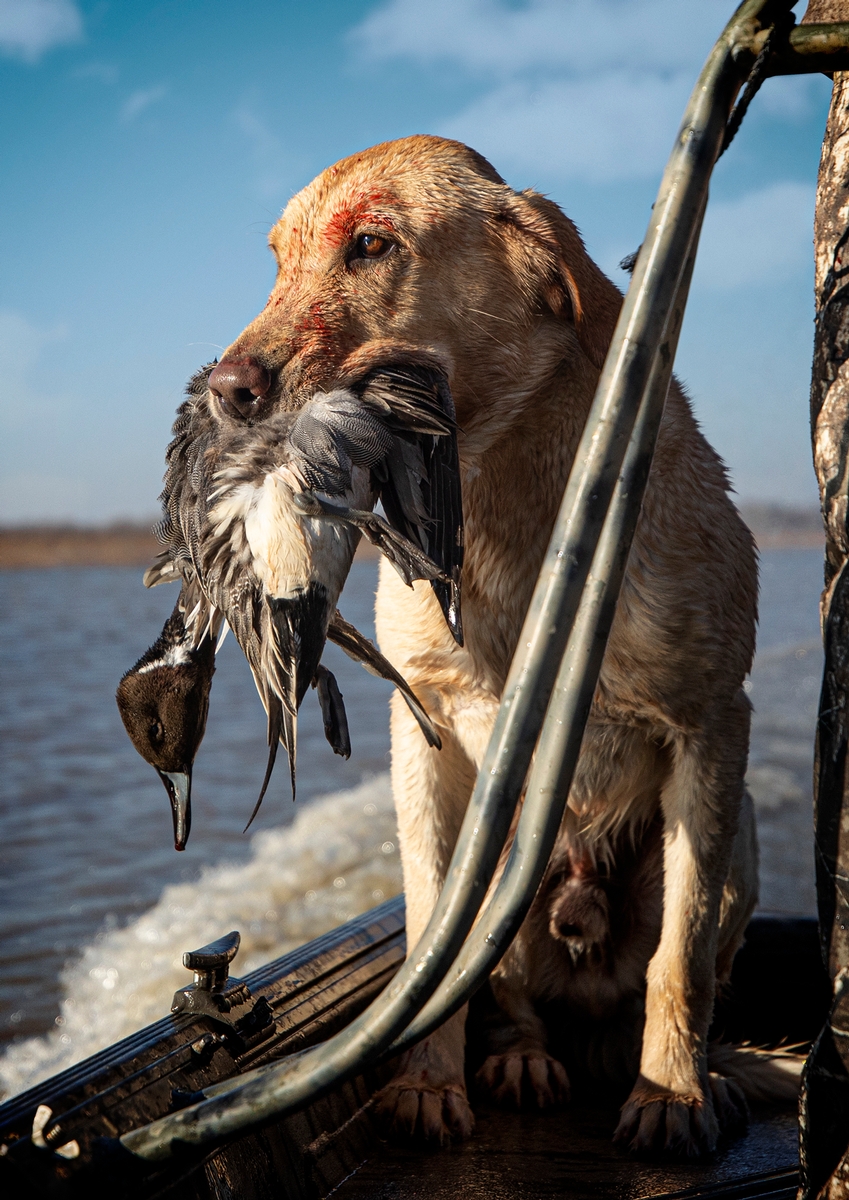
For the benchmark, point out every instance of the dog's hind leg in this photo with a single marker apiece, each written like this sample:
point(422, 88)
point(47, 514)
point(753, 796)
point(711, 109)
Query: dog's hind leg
point(427, 1097)
point(520, 1071)
point(740, 894)
point(675, 1107)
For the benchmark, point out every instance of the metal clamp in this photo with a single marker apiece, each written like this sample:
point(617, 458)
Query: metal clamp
point(213, 994)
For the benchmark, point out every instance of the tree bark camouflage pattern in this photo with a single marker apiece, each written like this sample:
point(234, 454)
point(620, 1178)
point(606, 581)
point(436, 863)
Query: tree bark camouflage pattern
point(824, 1110)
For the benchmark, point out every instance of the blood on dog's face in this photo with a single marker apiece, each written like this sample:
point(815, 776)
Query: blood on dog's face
point(417, 250)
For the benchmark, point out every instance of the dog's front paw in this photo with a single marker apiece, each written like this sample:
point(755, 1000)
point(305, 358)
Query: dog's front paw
point(409, 1108)
point(656, 1121)
point(525, 1074)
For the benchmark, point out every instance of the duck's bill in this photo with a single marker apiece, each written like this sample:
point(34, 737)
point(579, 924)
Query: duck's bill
point(178, 785)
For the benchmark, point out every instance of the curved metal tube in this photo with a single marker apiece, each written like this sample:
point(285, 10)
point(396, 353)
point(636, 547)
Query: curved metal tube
point(640, 353)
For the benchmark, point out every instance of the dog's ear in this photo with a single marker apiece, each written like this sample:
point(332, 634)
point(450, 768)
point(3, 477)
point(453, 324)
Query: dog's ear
point(563, 274)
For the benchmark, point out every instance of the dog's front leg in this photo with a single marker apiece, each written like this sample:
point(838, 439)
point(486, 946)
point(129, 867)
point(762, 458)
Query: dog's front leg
point(675, 1107)
point(427, 1097)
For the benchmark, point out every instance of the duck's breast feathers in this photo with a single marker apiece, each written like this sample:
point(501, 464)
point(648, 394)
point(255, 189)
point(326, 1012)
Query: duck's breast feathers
point(257, 525)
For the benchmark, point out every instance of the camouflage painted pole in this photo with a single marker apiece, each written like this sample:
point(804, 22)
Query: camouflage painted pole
point(824, 1112)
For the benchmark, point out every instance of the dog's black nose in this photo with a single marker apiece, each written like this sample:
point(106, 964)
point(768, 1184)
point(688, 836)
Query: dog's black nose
point(241, 384)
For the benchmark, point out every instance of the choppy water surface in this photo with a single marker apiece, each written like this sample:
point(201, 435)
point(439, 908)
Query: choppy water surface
point(96, 907)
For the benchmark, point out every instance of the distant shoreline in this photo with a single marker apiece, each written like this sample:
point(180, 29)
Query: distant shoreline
point(28, 547)
point(778, 528)
point(134, 545)
point(120, 545)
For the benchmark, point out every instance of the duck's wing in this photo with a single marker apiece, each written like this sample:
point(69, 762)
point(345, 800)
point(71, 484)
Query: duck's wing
point(190, 462)
point(399, 424)
point(358, 647)
point(419, 479)
point(333, 432)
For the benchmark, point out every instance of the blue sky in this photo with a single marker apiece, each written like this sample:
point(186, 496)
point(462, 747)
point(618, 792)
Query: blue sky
point(148, 147)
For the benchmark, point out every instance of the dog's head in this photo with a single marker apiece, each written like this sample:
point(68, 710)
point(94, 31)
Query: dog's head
point(417, 251)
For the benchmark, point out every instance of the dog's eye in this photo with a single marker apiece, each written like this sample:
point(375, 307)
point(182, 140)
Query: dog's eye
point(372, 245)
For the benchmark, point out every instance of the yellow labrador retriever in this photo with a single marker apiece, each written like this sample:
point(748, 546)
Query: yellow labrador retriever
point(418, 248)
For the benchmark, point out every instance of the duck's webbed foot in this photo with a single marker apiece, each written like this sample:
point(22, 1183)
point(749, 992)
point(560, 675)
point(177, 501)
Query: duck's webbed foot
point(409, 560)
point(332, 711)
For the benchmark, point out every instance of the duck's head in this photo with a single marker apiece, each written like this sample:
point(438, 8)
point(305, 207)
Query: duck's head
point(164, 702)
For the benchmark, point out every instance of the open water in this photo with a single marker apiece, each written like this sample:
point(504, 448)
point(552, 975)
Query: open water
point(96, 908)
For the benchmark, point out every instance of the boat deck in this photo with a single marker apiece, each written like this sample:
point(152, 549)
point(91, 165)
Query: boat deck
point(539, 1156)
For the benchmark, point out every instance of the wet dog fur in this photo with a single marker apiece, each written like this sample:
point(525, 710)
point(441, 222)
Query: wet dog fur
point(654, 875)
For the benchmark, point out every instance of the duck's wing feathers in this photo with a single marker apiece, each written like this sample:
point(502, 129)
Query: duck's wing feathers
point(333, 432)
point(190, 463)
point(409, 561)
point(419, 479)
point(400, 425)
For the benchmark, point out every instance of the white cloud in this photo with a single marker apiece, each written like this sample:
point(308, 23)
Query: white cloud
point(271, 163)
point(576, 35)
point(30, 27)
point(596, 87)
point(600, 129)
point(760, 238)
point(21, 343)
point(21, 346)
point(136, 104)
point(263, 142)
point(792, 97)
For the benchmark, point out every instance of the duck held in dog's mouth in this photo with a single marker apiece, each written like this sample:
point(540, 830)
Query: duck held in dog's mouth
point(263, 512)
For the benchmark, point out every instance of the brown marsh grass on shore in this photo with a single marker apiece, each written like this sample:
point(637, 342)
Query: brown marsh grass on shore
point(778, 528)
point(128, 544)
point(124, 544)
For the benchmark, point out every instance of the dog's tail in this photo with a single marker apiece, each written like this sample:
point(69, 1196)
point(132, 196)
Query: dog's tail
point(763, 1076)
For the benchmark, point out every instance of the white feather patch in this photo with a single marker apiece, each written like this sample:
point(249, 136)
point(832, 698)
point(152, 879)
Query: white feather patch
point(175, 656)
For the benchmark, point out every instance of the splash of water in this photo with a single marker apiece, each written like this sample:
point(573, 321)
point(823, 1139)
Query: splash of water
point(338, 859)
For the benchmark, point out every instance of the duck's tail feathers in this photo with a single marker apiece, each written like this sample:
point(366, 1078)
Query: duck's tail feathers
point(281, 728)
point(763, 1076)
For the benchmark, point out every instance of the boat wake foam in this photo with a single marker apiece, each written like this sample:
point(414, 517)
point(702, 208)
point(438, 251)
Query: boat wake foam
point(337, 859)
